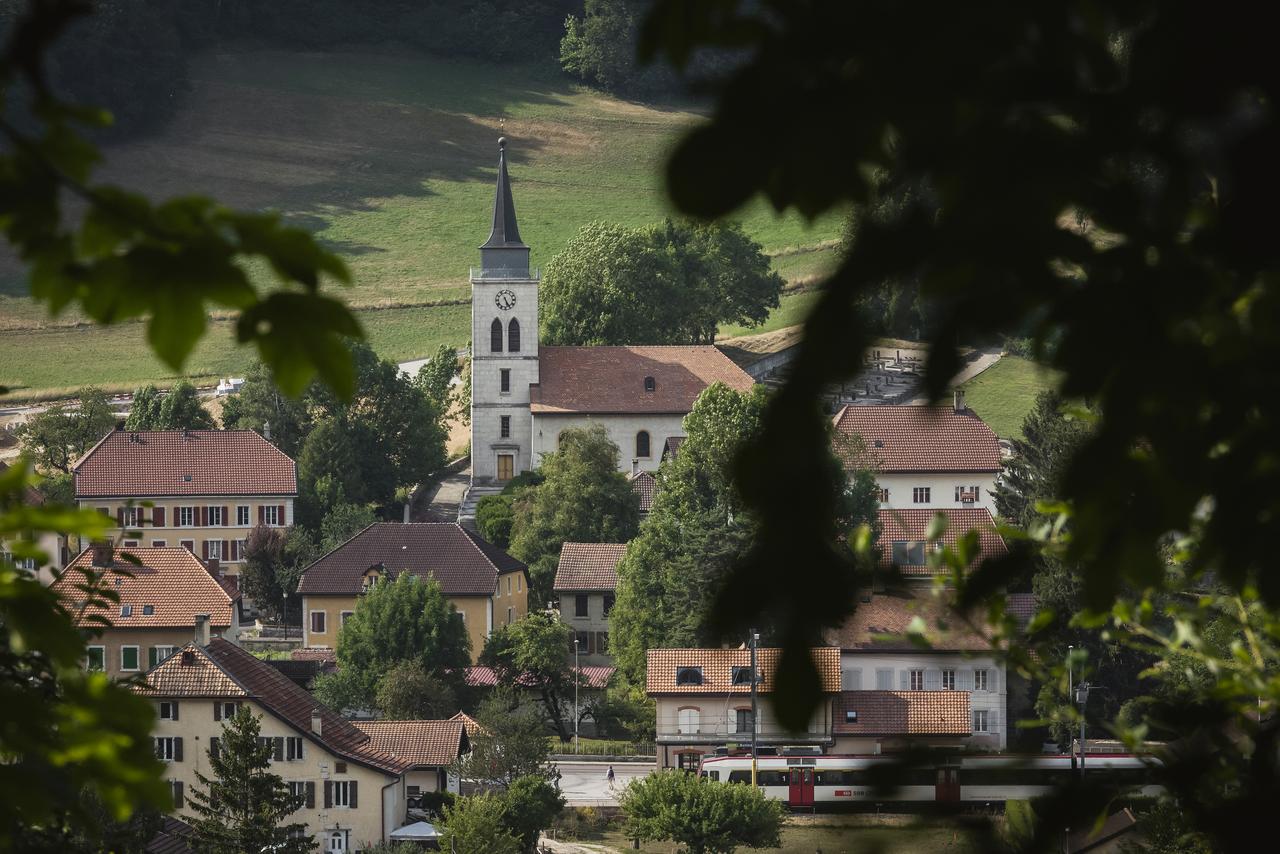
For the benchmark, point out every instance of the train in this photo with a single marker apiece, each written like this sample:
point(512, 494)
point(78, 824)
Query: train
point(986, 780)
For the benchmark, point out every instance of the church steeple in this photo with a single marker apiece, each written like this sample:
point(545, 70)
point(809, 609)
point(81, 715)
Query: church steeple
point(503, 254)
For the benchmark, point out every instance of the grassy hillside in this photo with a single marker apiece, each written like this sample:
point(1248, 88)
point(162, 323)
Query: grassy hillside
point(388, 158)
point(1003, 394)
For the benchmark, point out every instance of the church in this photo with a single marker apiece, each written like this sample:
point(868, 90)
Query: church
point(524, 394)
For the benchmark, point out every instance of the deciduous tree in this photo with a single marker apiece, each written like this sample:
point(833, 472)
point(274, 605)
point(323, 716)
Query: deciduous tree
point(531, 653)
point(261, 406)
point(476, 824)
point(665, 284)
point(56, 437)
point(408, 619)
point(529, 805)
point(583, 499)
point(704, 816)
point(510, 743)
point(407, 691)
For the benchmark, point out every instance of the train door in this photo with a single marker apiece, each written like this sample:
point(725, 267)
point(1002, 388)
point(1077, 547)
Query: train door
point(948, 785)
point(801, 792)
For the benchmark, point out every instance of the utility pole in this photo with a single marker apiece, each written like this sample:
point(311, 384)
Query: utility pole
point(755, 725)
point(1082, 697)
point(1071, 693)
point(576, 674)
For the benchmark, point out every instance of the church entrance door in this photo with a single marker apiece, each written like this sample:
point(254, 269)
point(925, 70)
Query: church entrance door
point(506, 467)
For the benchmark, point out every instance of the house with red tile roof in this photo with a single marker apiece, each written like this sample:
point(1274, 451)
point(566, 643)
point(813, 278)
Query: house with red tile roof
point(645, 485)
point(525, 394)
point(884, 721)
point(925, 457)
point(202, 490)
point(486, 585)
point(428, 748)
point(355, 790)
point(906, 545)
point(586, 586)
point(703, 699)
point(161, 593)
point(51, 545)
point(910, 642)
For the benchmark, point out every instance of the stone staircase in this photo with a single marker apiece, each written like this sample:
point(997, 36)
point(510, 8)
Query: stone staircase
point(467, 509)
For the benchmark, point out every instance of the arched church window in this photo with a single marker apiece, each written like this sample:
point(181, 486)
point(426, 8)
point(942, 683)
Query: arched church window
point(642, 443)
point(495, 336)
point(650, 384)
point(513, 336)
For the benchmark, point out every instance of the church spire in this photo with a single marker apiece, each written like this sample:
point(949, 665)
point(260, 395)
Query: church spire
point(503, 254)
point(505, 231)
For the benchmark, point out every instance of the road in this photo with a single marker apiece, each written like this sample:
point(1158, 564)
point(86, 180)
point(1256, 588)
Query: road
point(584, 783)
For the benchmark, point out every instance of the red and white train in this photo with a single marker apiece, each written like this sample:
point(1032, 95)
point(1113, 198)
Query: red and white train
point(812, 781)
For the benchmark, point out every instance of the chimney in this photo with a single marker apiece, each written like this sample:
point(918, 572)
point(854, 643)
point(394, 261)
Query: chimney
point(266, 430)
point(315, 722)
point(202, 630)
point(635, 466)
point(959, 402)
point(104, 554)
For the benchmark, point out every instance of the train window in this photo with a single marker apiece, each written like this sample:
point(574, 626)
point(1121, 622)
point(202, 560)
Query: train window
point(772, 778)
point(714, 776)
point(688, 675)
point(740, 776)
point(839, 777)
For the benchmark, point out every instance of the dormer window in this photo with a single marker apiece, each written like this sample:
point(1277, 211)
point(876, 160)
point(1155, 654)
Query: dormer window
point(186, 478)
point(148, 610)
point(688, 675)
point(908, 553)
point(742, 676)
point(879, 443)
point(850, 716)
point(650, 384)
point(126, 610)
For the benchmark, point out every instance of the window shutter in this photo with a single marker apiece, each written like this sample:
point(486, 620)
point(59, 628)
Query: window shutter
point(235, 550)
point(311, 795)
point(351, 789)
point(226, 516)
point(278, 744)
point(226, 549)
point(904, 683)
point(993, 679)
point(119, 517)
point(262, 515)
point(157, 517)
point(214, 747)
point(280, 515)
point(177, 749)
point(933, 680)
point(964, 679)
point(177, 794)
point(855, 679)
point(217, 711)
point(174, 709)
point(204, 549)
point(328, 794)
point(151, 658)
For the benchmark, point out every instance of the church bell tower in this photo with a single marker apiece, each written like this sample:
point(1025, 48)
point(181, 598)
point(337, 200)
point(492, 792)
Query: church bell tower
point(504, 345)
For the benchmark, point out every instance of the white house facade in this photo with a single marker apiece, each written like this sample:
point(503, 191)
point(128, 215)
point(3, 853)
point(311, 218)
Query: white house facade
point(925, 457)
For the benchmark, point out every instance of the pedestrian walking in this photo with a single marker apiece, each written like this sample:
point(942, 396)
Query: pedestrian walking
point(609, 776)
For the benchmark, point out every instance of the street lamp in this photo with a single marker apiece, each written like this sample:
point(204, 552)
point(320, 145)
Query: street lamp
point(576, 676)
point(1070, 690)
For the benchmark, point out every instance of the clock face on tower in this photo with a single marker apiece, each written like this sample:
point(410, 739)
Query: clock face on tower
point(505, 299)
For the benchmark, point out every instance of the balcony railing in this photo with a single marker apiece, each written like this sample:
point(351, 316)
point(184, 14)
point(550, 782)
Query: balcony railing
point(500, 273)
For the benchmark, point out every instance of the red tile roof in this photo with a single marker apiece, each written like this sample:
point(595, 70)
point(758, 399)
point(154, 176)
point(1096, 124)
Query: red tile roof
point(324, 654)
point(469, 723)
point(463, 563)
point(589, 566)
point(891, 613)
point(223, 669)
point(419, 743)
point(918, 439)
point(155, 464)
point(612, 379)
point(911, 526)
point(672, 447)
point(1022, 607)
point(644, 484)
point(173, 837)
point(595, 677)
point(903, 713)
point(717, 667)
point(171, 581)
